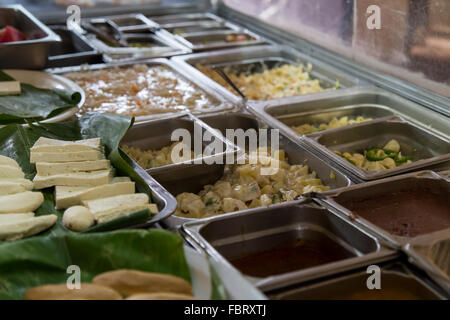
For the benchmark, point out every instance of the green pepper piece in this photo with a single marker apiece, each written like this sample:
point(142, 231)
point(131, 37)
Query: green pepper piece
point(400, 160)
point(391, 154)
point(374, 154)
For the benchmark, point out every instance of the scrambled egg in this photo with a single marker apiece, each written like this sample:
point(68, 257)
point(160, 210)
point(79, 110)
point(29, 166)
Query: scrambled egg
point(242, 186)
point(334, 123)
point(284, 81)
point(376, 159)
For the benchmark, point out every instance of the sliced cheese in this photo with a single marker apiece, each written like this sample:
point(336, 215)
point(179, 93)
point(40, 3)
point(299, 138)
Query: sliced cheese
point(7, 172)
point(71, 196)
point(81, 179)
point(7, 187)
point(13, 217)
point(106, 209)
point(21, 202)
point(51, 145)
point(48, 168)
point(27, 227)
point(120, 179)
point(9, 88)
point(102, 217)
point(75, 156)
point(8, 161)
point(27, 184)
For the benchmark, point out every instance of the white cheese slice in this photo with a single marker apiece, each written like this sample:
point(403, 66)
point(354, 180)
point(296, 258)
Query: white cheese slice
point(27, 201)
point(49, 168)
point(8, 172)
point(71, 196)
point(27, 184)
point(13, 217)
point(120, 179)
point(51, 145)
point(81, 179)
point(7, 187)
point(102, 217)
point(110, 208)
point(111, 203)
point(74, 156)
point(25, 228)
point(9, 88)
point(8, 161)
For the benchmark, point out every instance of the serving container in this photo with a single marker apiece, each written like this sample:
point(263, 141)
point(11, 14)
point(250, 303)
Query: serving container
point(131, 28)
point(424, 145)
point(222, 103)
point(398, 282)
point(366, 102)
point(210, 40)
point(73, 50)
point(424, 180)
point(193, 179)
point(28, 54)
point(255, 58)
point(226, 238)
point(164, 200)
point(168, 20)
point(431, 253)
point(154, 135)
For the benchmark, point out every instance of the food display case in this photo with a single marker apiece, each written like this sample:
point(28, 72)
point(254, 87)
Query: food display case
point(247, 150)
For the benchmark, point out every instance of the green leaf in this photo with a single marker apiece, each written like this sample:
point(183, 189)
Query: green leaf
point(34, 103)
point(39, 261)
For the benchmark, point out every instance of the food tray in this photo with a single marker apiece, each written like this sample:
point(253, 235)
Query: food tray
point(223, 104)
point(73, 50)
point(133, 28)
point(154, 135)
point(253, 57)
point(426, 146)
point(398, 281)
point(367, 102)
point(229, 237)
point(193, 179)
point(424, 180)
point(168, 20)
point(209, 40)
point(164, 200)
point(29, 54)
point(431, 253)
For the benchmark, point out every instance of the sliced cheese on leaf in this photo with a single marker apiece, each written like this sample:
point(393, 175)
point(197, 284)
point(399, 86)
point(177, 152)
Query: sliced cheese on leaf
point(21, 202)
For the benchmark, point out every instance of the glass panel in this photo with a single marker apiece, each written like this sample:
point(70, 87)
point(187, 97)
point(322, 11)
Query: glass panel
point(413, 42)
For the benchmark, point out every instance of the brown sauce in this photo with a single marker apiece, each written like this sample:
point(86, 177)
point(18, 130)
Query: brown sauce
point(291, 256)
point(405, 213)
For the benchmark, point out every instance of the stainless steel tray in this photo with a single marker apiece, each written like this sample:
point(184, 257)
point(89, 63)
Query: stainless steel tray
point(228, 237)
point(270, 55)
point(223, 104)
point(29, 54)
point(367, 102)
point(73, 50)
point(210, 40)
point(165, 20)
point(180, 179)
point(154, 135)
point(165, 201)
point(432, 254)
point(134, 27)
point(427, 179)
point(397, 282)
point(426, 146)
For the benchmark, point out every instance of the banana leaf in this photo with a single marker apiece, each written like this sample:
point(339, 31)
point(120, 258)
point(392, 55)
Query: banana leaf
point(16, 141)
point(33, 103)
point(44, 260)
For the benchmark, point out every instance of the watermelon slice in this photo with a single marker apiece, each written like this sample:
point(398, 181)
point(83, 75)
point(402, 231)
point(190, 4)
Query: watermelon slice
point(11, 34)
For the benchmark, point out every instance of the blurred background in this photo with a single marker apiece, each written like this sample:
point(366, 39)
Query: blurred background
point(413, 42)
